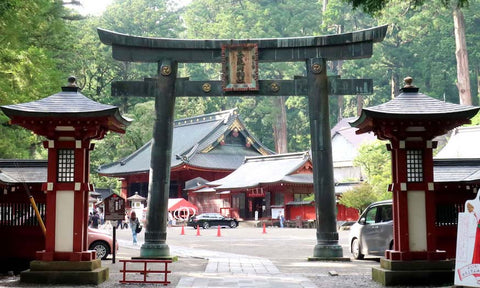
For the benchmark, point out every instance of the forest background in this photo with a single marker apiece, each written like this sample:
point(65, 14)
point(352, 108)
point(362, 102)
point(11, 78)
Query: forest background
point(42, 42)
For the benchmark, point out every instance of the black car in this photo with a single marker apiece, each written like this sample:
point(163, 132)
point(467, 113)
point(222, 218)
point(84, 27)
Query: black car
point(207, 220)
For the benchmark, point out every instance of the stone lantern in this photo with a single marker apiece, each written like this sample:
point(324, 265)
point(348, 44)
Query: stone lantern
point(410, 122)
point(69, 121)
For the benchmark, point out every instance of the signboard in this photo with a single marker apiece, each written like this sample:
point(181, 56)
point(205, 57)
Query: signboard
point(467, 262)
point(255, 193)
point(114, 207)
point(240, 67)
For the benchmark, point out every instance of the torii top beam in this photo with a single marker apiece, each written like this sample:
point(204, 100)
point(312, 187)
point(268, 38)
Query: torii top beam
point(353, 45)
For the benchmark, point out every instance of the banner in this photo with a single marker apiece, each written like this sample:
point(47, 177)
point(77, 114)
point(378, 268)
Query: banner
point(467, 262)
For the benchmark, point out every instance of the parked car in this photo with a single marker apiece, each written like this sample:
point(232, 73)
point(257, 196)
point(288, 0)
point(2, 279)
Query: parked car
point(101, 241)
point(372, 234)
point(207, 220)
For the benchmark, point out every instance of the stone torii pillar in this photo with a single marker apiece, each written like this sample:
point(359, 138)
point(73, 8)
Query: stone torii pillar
point(240, 78)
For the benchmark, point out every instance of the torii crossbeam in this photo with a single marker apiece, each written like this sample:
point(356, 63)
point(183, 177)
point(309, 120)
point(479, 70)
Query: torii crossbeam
point(240, 70)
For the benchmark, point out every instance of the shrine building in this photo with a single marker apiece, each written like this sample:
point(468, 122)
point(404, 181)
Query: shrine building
point(209, 146)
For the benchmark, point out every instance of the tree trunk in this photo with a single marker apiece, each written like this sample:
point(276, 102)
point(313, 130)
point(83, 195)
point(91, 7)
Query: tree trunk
point(359, 104)
point(280, 125)
point(394, 84)
point(477, 88)
point(463, 77)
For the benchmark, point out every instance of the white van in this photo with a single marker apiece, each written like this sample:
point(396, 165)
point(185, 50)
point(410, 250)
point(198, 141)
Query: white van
point(372, 234)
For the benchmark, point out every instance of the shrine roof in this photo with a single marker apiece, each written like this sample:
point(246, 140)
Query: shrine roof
point(68, 103)
point(463, 143)
point(411, 104)
point(270, 169)
point(196, 143)
point(344, 129)
point(456, 170)
point(15, 171)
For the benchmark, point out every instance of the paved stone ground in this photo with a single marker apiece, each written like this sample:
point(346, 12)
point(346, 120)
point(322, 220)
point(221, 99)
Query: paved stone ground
point(217, 266)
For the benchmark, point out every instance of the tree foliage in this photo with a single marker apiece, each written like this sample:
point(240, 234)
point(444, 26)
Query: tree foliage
point(41, 45)
point(374, 6)
point(30, 41)
point(359, 197)
point(375, 162)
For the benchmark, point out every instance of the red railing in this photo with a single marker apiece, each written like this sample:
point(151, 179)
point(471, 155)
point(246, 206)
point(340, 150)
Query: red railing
point(145, 271)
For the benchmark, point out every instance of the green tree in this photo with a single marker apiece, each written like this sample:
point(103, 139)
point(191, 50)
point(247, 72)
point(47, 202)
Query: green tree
point(375, 162)
point(359, 197)
point(455, 7)
point(260, 19)
point(31, 38)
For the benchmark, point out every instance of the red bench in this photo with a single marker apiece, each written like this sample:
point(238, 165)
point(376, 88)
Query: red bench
point(145, 271)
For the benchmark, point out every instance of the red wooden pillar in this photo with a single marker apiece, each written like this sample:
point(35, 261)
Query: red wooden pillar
point(67, 190)
point(413, 201)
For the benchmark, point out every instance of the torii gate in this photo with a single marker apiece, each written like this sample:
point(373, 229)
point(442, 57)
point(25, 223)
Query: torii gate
point(240, 78)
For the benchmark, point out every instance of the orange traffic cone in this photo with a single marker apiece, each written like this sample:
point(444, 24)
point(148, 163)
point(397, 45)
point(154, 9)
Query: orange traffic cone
point(183, 230)
point(198, 230)
point(219, 234)
point(264, 230)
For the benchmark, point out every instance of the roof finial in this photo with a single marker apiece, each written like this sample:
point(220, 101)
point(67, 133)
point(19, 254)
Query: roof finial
point(408, 87)
point(72, 81)
point(408, 82)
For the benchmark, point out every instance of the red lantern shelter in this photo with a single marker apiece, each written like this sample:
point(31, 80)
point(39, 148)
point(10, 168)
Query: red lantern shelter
point(410, 122)
point(69, 121)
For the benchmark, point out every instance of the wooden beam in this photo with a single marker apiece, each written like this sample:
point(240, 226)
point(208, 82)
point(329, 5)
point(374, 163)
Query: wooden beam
point(296, 87)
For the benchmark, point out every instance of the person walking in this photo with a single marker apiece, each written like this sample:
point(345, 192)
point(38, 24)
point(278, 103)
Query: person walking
point(281, 219)
point(95, 219)
point(134, 223)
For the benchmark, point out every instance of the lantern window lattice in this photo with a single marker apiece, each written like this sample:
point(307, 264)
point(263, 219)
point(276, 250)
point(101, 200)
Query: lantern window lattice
point(66, 165)
point(414, 166)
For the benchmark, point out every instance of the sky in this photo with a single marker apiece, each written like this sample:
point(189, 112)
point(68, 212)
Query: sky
point(93, 7)
point(96, 7)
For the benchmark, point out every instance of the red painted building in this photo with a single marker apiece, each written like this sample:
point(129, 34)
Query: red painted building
point(263, 185)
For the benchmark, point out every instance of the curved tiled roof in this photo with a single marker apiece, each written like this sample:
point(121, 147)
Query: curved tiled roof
point(15, 171)
point(263, 170)
point(195, 143)
point(412, 104)
point(69, 102)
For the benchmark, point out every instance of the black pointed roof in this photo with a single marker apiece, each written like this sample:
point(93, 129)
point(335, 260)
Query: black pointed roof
point(412, 108)
point(67, 104)
point(197, 142)
point(412, 104)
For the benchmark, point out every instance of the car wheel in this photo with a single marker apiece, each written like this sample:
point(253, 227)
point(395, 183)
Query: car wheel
point(206, 225)
point(233, 224)
point(102, 249)
point(356, 250)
